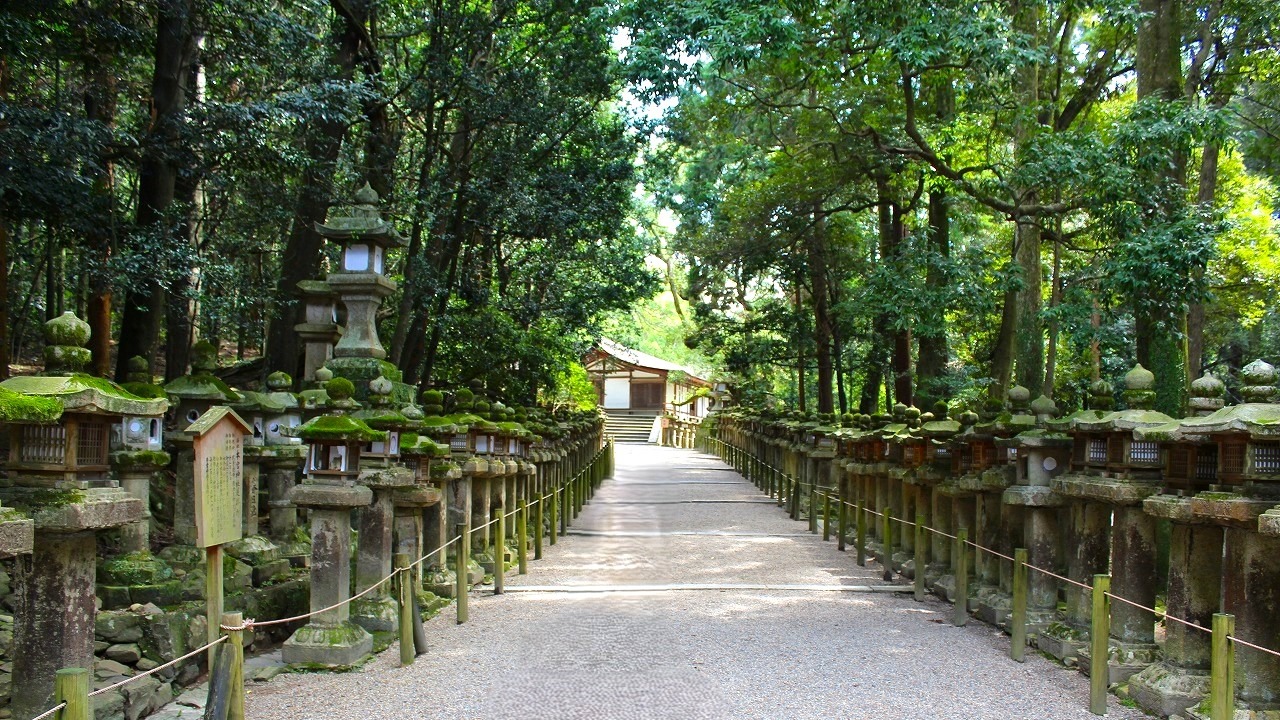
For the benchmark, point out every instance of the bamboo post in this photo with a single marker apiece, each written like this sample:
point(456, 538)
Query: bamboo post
point(71, 686)
point(1222, 680)
point(886, 546)
point(234, 647)
point(1100, 629)
point(919, 560)
point(464, 587)
point(826, 516)
point(842, 523)
point(1018, 621)
point(404, 590)
point(961, 609)
point(500, 552)
point(522, 533)
point(860, 540)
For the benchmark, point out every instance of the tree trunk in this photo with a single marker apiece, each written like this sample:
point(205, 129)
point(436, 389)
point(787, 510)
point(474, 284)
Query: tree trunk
point(175, 53)
point(1158, 67)
point(4, 296)
point(816, 242)
point(1055, 298)
point(302, 252)
point(1003, 353)
point(932, 335)
point(1195, 315)
point(100, 104)
point(1029, 333)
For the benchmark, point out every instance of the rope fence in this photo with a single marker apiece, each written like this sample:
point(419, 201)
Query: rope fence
point(72, 684)
point(1224, 639)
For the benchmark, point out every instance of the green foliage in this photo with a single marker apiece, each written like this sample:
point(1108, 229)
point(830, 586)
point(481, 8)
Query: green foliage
point(571, 387)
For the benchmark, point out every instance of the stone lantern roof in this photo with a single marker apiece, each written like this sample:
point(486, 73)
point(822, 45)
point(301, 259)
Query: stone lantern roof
point(201, 383)
point(65, 382)
point(360, 222)
point(1138, 394)
point(338, 427)
point(1258, 416)
point(18, 407)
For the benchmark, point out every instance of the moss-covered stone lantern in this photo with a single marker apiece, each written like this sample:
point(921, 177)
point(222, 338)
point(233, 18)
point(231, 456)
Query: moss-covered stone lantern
point(1113, 470)
point(59, 472)
point(1216, 523)
point(330, 493)
point(361, 283)
point(190, 396)
point(319, 330)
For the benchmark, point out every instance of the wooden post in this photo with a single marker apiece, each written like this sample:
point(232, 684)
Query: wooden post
point(842, 522)
point(71, 686)
point(1018, 621)
point(522, 533)
point(886, 544)
point(813, 509)
point(213, 594)
point(919, 560)
point(860, 539)
point(566, 509)
point(464, 587)
point(539, 527)
point(1100, 629)
point(826, 516)
point(793, 495)
point(1222, 676)
point(404, 593)
point(961, 614)
point(555, 510)
point(234, 646)
point(500, 552)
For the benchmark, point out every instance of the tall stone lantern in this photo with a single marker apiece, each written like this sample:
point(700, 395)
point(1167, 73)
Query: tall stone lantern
point(61, 471)
point(329, 492)
point(360, 282)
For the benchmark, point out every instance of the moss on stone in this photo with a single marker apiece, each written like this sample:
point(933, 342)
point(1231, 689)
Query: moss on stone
point(17, 407)
point(339, 427)
point(125, 459)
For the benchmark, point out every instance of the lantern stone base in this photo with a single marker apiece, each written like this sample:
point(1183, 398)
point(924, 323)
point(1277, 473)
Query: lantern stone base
point(1124, 660)
point(376, 614)
point(17, 533)
point(994, 606)
point(1269, 522)
point(1164, 689)
point(441, 582)
point(262, 555)
point(1063, 641)
point(331, 646)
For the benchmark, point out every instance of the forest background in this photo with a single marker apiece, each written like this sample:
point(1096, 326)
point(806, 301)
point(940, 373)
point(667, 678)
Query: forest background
point(842, 205)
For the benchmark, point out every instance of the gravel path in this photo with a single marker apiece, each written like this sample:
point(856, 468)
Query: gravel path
point(677, 517)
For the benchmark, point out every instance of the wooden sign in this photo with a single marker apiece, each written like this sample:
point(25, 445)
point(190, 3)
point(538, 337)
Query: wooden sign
point(217, 437)
point(218, 442)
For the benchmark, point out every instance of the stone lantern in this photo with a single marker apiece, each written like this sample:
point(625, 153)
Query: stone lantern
point(1039, 455)
point(360, 282)
point(329, 492)
point(386, 477)
point(437, 465)
point(319, 330)
point(937, 434)
point(1219, 548)
point(61, 472)
point(190, 396)
point(1112, 472)
point(138, 454)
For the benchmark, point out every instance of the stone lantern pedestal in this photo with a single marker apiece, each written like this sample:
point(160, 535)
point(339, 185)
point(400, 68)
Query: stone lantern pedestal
point(330, 638)
point(378, 611)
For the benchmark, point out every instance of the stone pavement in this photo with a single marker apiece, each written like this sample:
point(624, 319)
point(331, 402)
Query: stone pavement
point(607, 625)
